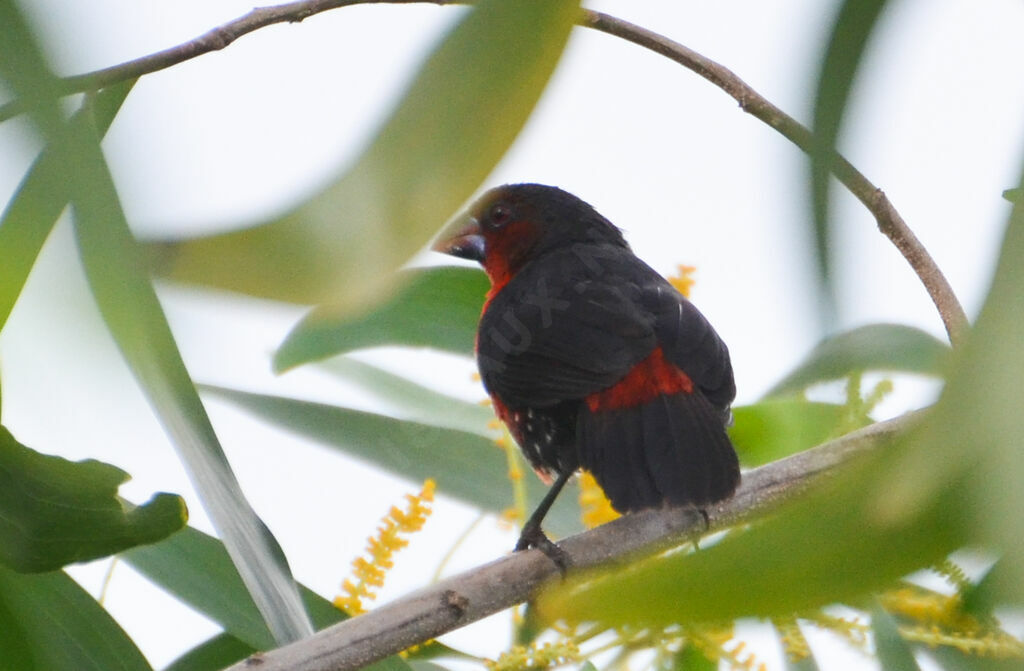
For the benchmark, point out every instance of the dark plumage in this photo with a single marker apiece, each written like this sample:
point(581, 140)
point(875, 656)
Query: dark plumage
point(593, 360)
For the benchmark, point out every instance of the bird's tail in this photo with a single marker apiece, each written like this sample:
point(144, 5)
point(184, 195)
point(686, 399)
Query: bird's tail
point(672, 449)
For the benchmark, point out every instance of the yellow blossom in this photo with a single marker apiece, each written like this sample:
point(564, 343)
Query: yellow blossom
point(368, 572)
point(595, 506)
point(683, 279)
point(535, 656)
point(792, 638)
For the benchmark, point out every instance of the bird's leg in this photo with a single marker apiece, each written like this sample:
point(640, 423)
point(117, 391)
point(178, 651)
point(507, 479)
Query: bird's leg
point(533, 536)
point(707, 526)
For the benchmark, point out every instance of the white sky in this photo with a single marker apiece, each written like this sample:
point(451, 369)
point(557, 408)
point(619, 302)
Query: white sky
point(666, 156)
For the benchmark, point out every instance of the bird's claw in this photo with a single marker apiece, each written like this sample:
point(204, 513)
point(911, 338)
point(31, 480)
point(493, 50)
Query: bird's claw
point(534, 537)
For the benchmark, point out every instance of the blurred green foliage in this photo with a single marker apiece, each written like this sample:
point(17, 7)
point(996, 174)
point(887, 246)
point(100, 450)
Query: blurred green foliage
point(953, 481)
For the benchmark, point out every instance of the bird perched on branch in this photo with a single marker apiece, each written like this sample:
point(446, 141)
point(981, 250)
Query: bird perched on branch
point(592, 359)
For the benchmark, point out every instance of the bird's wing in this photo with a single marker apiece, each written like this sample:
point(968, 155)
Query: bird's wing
point(690, 342)
point(560, 331)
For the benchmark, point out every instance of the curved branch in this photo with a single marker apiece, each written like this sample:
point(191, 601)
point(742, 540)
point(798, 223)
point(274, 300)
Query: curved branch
point(488, 589)
point(890, 223)
point(212, 40)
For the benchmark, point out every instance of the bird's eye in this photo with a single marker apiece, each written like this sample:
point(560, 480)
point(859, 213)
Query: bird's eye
point(500, 215)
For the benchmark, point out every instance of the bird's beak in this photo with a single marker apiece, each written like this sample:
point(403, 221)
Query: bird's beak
point(462, 238)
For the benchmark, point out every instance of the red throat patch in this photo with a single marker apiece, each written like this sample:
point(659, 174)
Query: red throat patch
point(507, 250)
point(654, 376)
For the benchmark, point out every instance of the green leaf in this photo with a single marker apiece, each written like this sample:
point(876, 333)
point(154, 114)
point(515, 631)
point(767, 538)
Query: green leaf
point(48, 622)
point(422, 665)
point(414, 402)
point(953, 480)
point(24, 69)
point(214, 654)
point(779, 427)
point(456, 120)
point(806, 664)
point(835, 544)
point(892, 651)
point(690, 658)
point(978, 424)
point(133, 315)
point(951, 659)
point(41, 197)
point(436, 307)
point(54, 512)
point(887, 347)
point(466, 466)
point(435, 650)
point(197, 569)
point(1013, 195)
point(854, 24)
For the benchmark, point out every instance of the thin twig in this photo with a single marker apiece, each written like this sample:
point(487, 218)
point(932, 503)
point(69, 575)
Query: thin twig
point(212, 40)
point(890, 223)
point(488, 589)
point(874, 199)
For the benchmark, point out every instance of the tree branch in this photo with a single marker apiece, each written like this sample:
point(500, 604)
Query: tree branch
point(488, 589)
point(874, 199)
point(212, 40)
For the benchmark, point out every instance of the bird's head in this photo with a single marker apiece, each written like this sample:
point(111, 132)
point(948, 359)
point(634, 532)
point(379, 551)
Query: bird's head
point(513, 224)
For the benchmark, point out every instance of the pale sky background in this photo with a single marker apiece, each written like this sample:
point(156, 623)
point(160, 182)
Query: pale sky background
point(228, 137)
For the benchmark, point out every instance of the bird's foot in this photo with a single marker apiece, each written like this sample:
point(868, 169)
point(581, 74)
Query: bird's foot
point(534, 537)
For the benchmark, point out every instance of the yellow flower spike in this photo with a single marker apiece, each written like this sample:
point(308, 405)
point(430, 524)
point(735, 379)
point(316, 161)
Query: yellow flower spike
point(369, 572)
point(595, 507)
point(711, 642)
point(997, 644)
point(535, 657)
point(877, 395)
point(793, 640)
point(683, 279)
point(940, 621)
point(853, 630)
point(927, 607)
point(953, 574)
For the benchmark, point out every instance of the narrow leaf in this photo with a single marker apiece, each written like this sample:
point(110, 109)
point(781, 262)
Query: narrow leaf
point(951, 659)
point(413, 401)
point(214, 654)
point(779, 427)
point(40, 198)
point(131, 311)
point(832, 546)
point(854, 24)
point(48, 622)
point(456, 120)
point(466, 466)
point(892, 651)
point(885, 347)
point(54, 512)
point(24, 69)
point(436, 307)
point(690, 658)
point(197, 569)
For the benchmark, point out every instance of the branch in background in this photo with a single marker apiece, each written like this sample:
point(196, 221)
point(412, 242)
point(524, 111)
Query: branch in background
point(874, 199)
point(212, 40)
point(488, 589)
